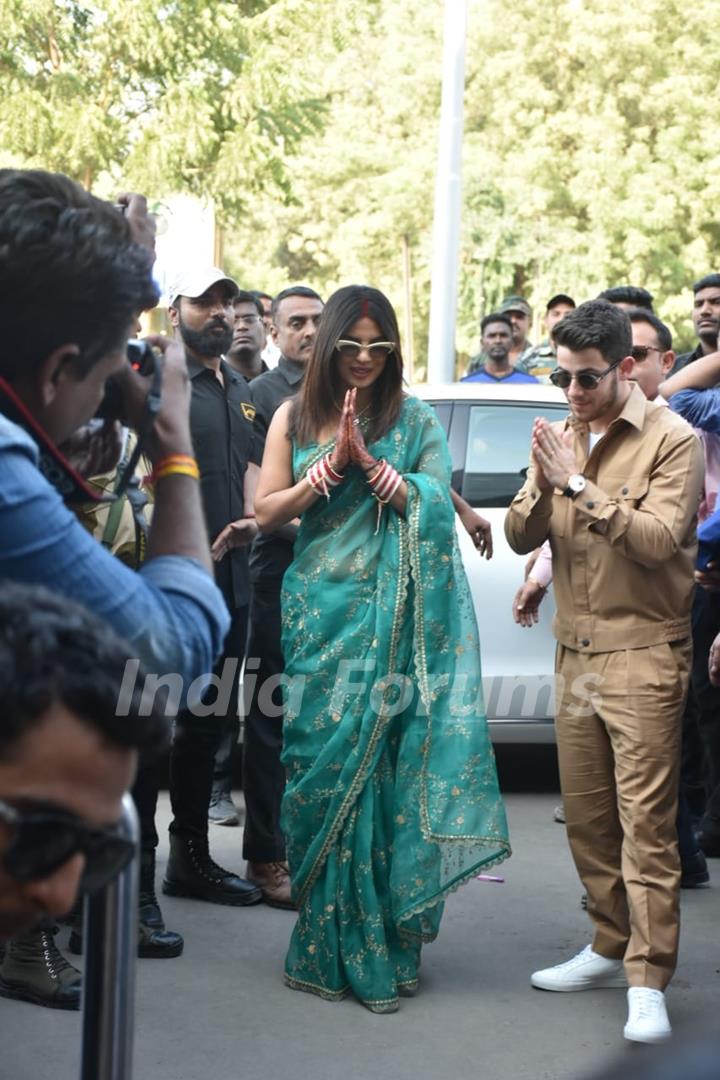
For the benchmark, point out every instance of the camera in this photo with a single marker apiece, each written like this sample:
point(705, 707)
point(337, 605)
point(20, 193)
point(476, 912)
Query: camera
point(141, 358)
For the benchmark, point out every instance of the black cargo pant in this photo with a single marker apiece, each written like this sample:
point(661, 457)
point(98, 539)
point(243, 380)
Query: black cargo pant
point(263, 773)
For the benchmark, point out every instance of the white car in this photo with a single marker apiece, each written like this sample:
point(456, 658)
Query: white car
point(488, 429)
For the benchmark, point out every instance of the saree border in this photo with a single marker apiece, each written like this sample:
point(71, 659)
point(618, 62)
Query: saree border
point(379, 1005)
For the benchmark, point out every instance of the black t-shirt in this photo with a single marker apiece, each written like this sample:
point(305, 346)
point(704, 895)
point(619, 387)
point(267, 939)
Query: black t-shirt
point(223, 434)
point(271, 555)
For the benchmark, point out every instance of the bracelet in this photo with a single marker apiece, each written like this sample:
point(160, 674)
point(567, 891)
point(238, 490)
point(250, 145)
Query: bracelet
point(175, 459)
point(175, 464)
point(385, 482)
point(332, 474)
point(321, 477)
point(189, 469)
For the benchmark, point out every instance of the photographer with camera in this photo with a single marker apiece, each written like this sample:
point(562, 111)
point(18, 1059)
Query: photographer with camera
point(90, 267)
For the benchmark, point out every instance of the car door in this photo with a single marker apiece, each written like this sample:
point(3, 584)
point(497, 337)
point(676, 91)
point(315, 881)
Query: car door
point(489, 443)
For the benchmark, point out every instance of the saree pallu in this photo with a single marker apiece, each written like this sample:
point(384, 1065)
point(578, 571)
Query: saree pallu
point(392, 796)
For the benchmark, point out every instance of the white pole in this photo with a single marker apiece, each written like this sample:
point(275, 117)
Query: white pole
point(448, 188)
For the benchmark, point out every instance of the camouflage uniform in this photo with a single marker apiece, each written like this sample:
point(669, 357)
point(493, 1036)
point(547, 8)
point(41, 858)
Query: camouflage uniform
point(539, 361)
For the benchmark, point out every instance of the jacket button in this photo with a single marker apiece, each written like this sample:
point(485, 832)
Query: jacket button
point(625, 491)
point(585, 642)
point(590, 505)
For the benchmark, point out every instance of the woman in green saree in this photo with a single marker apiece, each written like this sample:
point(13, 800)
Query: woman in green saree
point(392, 798)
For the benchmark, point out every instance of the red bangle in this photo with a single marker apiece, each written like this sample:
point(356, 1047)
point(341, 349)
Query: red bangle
point(385, 482)
point(333, 475)
point(321, 477)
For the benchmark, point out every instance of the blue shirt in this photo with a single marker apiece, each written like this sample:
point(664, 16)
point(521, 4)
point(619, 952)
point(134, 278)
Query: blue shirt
point(171, 612)
point(515, 376)
point(701, 408)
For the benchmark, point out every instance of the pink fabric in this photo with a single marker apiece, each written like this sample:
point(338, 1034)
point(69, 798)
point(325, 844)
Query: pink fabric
point(542, 570)
point(711, 449)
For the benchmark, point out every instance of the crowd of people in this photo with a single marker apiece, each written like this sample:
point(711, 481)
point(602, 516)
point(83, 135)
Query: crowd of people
point(270, 497)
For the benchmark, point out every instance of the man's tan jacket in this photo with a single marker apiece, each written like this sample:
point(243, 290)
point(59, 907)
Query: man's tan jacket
point(624, 548)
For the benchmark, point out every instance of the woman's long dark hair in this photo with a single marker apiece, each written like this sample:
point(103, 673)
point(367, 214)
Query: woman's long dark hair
point(322, 392)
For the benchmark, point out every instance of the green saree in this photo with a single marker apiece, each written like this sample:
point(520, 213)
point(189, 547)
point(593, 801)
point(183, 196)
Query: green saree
point(392, 797)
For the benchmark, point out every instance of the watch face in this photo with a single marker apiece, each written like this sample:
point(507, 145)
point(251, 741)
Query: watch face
point(576, 483)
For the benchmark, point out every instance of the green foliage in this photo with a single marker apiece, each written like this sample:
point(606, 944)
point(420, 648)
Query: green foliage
point(181, 96)
point(591, 157)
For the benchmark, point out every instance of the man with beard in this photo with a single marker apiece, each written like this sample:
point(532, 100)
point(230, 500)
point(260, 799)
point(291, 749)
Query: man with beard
point(616, 488)
point(496, 340)
point(249, 337)
point(221, 422)
point(706, 320)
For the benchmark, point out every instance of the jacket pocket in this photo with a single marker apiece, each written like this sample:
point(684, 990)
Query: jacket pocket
point(626, 490)
point(633, 489)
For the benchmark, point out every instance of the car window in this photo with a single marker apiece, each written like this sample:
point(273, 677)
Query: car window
point(498, 448)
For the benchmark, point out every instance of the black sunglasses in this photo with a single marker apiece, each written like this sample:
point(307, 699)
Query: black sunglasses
point(588, 380)
point(640, 352)
point(45, 838)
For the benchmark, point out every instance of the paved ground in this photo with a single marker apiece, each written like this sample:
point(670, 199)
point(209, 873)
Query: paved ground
point(221, 1010)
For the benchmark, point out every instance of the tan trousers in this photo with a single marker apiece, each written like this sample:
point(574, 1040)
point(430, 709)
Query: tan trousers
point(618, 721)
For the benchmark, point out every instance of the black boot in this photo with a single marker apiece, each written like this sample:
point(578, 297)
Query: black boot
point(33, 969)
point(191, 872)
point(154, 941)
point(709, 836)
point(694, 871)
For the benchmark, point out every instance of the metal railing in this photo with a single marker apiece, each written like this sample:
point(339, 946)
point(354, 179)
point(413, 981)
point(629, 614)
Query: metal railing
point(110, 935)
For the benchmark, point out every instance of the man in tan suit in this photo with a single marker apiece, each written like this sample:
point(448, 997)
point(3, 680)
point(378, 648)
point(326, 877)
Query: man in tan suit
point(616, 490)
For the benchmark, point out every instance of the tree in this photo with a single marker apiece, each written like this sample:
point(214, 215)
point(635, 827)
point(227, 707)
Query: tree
point(591, 155)
point(593, 126)
point(591, 158)
point(184, 96)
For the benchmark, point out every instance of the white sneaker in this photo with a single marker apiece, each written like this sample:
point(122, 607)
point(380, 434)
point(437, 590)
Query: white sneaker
point(647, 1016)
point(586, 971)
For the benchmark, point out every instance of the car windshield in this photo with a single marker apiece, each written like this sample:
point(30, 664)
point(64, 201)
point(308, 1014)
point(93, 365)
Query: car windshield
point(498, 448)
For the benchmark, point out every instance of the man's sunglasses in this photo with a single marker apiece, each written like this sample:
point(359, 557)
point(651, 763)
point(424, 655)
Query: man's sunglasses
point(640, 352)
point(377, 350)
point(45, 838)
point(588, 380)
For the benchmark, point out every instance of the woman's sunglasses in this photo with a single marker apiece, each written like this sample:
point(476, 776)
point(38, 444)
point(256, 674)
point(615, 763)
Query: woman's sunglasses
point(45, 838)
point(588, 380)
point(376, 350)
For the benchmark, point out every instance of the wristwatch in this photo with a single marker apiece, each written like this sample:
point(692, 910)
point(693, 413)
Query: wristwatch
point(576, 484)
